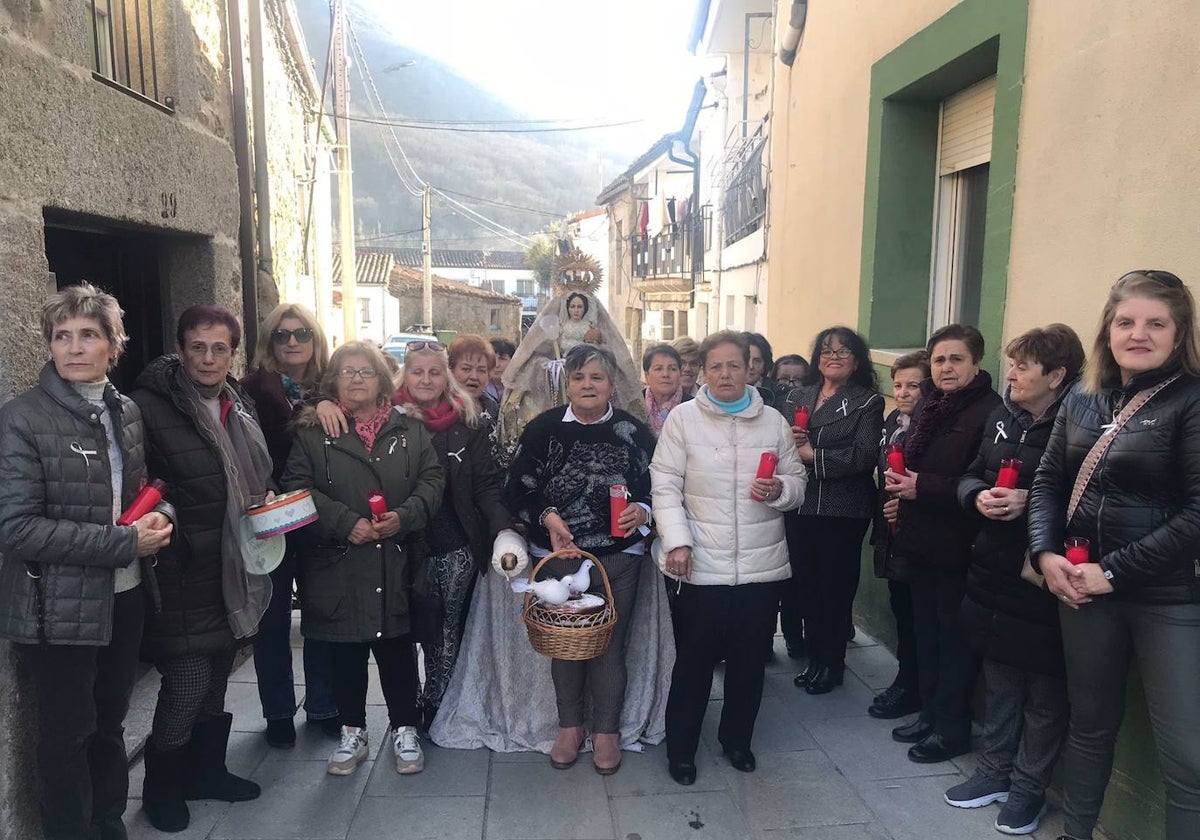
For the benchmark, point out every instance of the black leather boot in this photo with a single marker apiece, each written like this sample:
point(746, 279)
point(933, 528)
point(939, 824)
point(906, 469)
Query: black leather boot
point(162, 792)
point(207, 777)
point(826, 679)
point(802, 679)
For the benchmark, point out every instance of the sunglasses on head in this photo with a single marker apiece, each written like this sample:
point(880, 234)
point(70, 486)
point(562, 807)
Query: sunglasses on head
point(1165, 277)
point(418, 346)
point(282, 336)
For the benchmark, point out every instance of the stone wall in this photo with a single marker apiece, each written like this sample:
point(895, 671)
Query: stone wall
point(75, 146)
point(466, 313)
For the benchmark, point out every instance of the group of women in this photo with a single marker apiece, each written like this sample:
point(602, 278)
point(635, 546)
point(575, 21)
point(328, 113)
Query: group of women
point(1044, 536)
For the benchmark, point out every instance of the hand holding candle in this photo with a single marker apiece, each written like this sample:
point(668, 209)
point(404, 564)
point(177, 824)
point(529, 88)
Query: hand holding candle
point(144, 502)
point(1010, 471)
point(800, 421)
point(618, 500)
point(377, 504)
point(895, 458)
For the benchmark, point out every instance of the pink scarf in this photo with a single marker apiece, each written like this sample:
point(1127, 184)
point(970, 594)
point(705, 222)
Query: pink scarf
point(658, 413)
point(437, 419)
point(368, 429)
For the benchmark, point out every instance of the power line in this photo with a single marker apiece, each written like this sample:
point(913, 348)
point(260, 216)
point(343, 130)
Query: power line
point(396, 122)
point(505, 204)
point(494, 224)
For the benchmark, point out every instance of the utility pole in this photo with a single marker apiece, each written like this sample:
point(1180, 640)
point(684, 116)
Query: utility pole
point(341, 104)
point(427, 263)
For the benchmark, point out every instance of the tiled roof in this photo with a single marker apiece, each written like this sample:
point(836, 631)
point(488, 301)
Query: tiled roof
point(408, 280)
point(371, 268)
point(442, 258)
point(623, 180)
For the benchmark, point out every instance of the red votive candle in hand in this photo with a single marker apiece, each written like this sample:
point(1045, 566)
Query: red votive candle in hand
point(895, 458)
point(766, 468)
point(1078, 551)
point(377, 504)
point(618, 500)
point(800, 421)
point(1010, 469)
point(149, 496)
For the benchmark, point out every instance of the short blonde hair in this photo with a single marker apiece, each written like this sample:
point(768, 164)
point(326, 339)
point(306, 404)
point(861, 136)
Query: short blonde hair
point(468, 410)
point(1151, 284)
point(374, 357)
point(86, 301)
point(264, 354)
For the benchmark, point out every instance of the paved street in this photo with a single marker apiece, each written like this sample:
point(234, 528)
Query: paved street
point(826, 771)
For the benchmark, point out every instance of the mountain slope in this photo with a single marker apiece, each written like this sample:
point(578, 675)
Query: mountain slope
point(557, 173)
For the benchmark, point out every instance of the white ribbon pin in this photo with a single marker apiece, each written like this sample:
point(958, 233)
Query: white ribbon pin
point(457, 456)
point(1000, 433)
point(79, 450)
point(845, 408)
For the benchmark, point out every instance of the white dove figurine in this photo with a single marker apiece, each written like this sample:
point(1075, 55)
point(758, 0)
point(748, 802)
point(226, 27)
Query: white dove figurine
point(550, 591)
point(580, 580)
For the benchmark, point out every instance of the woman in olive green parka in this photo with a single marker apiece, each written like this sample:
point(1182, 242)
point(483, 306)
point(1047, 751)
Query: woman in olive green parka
point(356, 571)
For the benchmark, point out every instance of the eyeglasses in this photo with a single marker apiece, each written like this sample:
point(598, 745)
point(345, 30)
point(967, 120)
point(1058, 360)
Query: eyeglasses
point(792, 381)
point(418, 346)
point(840, 353)
point(301, 334)
point(365, 373)
point(199, 349)
point(1165, 277)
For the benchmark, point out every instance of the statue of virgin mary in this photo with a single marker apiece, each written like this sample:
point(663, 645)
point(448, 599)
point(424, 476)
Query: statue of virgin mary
point(534, 380)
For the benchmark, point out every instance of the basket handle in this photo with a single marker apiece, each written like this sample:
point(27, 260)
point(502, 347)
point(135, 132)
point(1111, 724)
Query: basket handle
point(586, 554)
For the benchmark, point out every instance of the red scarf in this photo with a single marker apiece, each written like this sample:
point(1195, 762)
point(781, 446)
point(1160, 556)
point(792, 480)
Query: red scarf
point(437, 419)
point(368, 429)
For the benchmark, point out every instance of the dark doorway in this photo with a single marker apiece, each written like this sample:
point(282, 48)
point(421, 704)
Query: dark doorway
point(124, 263)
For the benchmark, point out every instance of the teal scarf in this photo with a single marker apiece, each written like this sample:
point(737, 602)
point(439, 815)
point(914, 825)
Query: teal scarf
point(734, 407)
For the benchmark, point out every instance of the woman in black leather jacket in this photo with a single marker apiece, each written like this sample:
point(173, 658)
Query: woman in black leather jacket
point(1140, 594)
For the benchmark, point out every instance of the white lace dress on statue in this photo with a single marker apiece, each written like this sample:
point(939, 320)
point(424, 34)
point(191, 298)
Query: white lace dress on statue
point(501, 695)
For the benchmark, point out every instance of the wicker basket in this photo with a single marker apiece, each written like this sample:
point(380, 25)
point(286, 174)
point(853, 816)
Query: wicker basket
point(569, 636)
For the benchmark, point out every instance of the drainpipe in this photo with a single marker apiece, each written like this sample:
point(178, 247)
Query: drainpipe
point(241, 154)
point(791, 36)
point(262, 180)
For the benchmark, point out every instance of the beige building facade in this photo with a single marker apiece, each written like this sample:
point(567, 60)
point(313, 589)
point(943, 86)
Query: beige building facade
point(1000, 163)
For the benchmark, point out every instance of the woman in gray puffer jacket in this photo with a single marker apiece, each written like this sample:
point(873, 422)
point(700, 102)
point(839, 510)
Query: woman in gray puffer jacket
point(74, 585)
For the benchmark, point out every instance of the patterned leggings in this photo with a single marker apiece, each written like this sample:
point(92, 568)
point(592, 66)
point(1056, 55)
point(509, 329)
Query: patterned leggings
point(451, 578)
point(193, 688)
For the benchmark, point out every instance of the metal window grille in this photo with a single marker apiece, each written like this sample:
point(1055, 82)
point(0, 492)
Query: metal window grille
point(123, 44)
point(745, 201)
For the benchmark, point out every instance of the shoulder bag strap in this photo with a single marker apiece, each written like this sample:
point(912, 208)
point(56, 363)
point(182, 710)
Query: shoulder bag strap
point(1088, 467)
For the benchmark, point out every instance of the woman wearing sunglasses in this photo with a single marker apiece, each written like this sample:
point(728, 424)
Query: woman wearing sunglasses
point(291, 357)
point(1122, 471)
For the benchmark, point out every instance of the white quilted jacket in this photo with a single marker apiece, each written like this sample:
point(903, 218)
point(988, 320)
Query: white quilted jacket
point(701, 474)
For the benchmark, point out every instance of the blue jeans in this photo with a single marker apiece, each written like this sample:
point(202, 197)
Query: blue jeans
point(273, 657)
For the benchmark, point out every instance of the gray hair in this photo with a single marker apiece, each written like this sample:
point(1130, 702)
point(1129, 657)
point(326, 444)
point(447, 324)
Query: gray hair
point(86, 301)
point(581, 354)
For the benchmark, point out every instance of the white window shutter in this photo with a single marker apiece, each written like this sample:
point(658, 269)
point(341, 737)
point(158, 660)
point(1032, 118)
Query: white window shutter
point(967, 127)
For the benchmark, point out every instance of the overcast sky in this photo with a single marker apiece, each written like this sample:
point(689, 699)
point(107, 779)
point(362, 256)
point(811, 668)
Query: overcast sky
point(602, 60)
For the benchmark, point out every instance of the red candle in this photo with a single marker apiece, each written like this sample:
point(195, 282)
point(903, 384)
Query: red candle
point(801, 418)
point(766, 465)
point(1078, 551)
point(1010, 469)
point(377, 504)
point(149, 496)
point(618, 500)
point(895, 458)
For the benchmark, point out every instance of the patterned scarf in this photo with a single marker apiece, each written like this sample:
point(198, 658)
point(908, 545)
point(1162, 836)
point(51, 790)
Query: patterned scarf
point(437, 419)
point(368, 429)
point(658, 413)
point(937, 411)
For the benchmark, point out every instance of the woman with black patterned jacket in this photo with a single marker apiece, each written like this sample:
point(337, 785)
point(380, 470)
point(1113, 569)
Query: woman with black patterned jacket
point(839, 447)
point(558, 484)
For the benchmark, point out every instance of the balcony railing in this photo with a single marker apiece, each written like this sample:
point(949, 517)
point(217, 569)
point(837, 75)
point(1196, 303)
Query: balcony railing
point(744, 203)
point(667, 254)
point(122, 41)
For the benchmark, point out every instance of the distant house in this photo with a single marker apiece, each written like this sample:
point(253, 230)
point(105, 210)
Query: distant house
point(499, 271)
point(457, 306)
point(390, 300)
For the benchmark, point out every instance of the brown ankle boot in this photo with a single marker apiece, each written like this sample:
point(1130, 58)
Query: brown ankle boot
point(566, 747)
point(606, 752)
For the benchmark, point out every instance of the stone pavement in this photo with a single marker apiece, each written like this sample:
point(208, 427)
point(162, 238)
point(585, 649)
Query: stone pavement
point(826, 771)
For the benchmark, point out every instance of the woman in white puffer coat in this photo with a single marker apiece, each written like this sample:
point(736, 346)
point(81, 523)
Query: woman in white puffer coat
point(721, 536)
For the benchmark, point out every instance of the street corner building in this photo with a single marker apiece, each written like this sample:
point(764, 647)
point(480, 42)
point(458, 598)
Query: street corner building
point(125, 126)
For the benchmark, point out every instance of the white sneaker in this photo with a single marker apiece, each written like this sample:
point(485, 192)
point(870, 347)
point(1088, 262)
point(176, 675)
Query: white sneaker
point(406, 744)
point(351, 752)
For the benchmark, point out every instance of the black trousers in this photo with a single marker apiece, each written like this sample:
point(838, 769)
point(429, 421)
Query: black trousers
point(81, 695)
point(397, 663)
point(791, 603)
point(946, 667)
point(734, 623)
point(901, 601)
point(831, 561)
